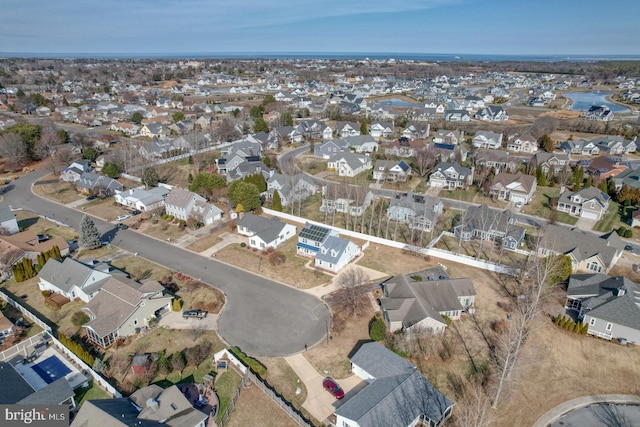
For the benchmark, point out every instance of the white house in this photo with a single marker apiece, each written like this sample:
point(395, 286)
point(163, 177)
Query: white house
point(335, 253)
point(264, 232)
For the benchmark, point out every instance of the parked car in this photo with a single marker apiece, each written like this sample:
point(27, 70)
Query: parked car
point(628, 248)
point(122, 217)
point(92, 197)
point(519, 205)
point(332, 387)
point(197, 314)
point(136, 212)
point(122, 226)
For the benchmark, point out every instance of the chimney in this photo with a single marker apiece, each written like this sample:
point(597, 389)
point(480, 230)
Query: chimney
point(152, 403)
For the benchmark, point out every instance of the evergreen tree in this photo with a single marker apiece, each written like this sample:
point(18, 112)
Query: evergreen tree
point(277, 202)
point(589, 182)
point(41, 259)
point(89, 235)
point(363, 128)
point(259, 125)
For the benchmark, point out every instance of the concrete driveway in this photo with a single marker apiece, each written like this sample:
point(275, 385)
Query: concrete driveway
point(174, 320)
point(320, 403)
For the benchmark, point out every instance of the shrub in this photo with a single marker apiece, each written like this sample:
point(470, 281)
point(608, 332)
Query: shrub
point(253, 364)
point(176, 305)
point(277, 258)
point(377, 328)
point(628, 233)
point(46, 294)
point(79, 318)
point(243, 245)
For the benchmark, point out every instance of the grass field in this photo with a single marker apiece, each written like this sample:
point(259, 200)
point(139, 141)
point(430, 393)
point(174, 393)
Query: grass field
point(616, 216)
point(540, 206)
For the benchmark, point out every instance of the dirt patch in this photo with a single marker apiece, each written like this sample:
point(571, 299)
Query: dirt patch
point(332, 356)
point(204, 243)
point(162, 230)
point(282, 377)
point(59, 191)
point(106, 209)
point(254, 408)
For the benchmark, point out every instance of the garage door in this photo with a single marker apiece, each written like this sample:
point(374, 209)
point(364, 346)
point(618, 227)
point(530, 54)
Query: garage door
point(589, 215)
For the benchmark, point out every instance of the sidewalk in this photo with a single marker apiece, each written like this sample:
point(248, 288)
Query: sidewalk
point(321, 290)
point(319, 402)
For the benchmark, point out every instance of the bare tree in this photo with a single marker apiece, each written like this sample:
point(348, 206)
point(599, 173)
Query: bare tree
point(473, 407)
point(350, 281)
point(12, 149)
point(527, 290)
point(425, 160)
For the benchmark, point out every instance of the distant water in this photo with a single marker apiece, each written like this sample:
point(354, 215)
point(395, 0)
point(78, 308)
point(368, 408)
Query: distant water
point(396, 102)
point(428, 57)
point(582, 101)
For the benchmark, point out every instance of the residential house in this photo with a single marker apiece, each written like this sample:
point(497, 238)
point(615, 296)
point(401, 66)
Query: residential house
point(8, 222)
point(329, 149)
point(141, 199)
point(580, 147)
point(450, 176)
point(514, 188)
point(23, 390)
point(630, 178)
point(125, 127)
point(349, 199)
point(610, 305)
point(487, 139)
point(184, 204)
point(381, 130)
point(499, 160)
point(448, 152)
point(420, 300)
point(158, 148)
point(153, 130)
point(31, 246)
point(6, 328)
point(361, 144)
point(549, 162)
point(92, 183)
point(291, 188)
point(416, 131)
point(349, 164)
point(335, 253)
point(74, 279)
point(404, 147)
point(428, 114)
point(605, 167)
point(311, 238)
point(74, 171)
point(344, 129)
point(587, 252)
point(484, 223)
point(264, 232)
point(616, 145)
point(10, 256)
point(286, 135)
point(122, 308)
point(457, 116)
point(492, 113)
point(315, 129)
point(600, 113)
point(588, 202)
point(522, 144)
point(391, 171)
point(146, 407)
point(450, 137)
point(417, 211)
point(396, 395)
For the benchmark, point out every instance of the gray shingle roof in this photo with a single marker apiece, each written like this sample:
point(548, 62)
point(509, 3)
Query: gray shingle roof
point(397, 396)
point(53, 394)
point(66, 274)
point(14, 387)
point(6, 214)
point(267, 229)
point(332, 249)
point(580, 244)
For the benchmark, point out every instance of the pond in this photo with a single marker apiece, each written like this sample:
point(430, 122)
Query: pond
point(582, 101)
point(396, 102)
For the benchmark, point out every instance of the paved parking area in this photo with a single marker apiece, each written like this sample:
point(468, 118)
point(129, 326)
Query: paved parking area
point(174, 320)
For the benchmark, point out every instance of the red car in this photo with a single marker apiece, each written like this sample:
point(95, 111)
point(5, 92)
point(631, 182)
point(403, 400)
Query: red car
point(332, 387)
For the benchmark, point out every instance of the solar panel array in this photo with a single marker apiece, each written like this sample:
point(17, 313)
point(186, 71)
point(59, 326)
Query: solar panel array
point(314, 232)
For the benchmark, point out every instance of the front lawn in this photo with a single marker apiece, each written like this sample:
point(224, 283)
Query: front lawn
point(540, 206)
point(615, 217)
point(226, 386)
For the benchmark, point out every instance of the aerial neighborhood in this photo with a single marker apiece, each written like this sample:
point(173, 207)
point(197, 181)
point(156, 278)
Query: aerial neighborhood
point(339, 242)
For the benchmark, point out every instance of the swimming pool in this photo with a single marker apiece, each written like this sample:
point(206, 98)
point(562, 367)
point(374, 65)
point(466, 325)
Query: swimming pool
point(50, 369)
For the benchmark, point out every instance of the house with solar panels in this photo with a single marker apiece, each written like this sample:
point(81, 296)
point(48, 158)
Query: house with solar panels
point(329, 251)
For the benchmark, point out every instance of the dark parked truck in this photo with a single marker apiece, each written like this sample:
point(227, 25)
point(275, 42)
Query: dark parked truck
point(197, 314)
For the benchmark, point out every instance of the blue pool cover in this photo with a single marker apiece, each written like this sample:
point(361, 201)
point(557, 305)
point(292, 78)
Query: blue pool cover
point(50, 369)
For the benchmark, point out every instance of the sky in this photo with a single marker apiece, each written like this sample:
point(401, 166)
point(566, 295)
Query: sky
point(491, 27)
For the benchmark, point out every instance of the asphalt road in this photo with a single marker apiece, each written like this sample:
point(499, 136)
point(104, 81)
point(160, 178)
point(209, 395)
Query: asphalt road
point(262, 317)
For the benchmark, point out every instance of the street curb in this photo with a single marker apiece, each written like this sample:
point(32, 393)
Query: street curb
point(581, 402)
